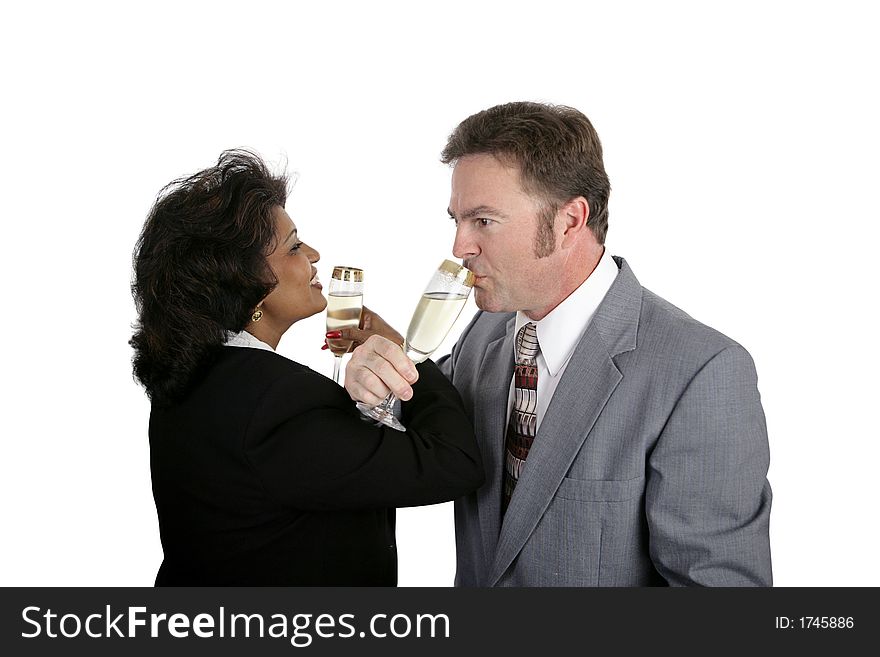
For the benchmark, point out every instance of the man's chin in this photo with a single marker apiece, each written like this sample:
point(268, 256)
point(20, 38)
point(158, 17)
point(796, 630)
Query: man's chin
point(486, 303)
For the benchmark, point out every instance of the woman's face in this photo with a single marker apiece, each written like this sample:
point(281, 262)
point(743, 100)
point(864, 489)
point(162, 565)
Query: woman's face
point(298, 292)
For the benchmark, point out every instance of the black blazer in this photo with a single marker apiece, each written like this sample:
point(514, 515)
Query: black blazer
point(265, 474)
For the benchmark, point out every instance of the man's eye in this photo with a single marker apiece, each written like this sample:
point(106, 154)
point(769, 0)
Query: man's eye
point(453, 220)
point(484, 222)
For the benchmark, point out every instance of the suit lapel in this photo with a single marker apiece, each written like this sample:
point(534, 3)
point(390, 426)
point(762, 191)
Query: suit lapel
point(490, 419)
point(585, 387)
point(588, 382)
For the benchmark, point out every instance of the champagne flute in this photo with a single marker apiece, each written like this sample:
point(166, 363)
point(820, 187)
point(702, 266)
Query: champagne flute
point(439, 307)
point(345, 300)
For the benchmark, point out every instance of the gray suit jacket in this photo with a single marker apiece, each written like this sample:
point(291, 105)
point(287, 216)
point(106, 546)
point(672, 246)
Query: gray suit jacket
point(649, 467)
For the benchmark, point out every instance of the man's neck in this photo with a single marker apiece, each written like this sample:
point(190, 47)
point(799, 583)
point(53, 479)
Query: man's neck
point(575, 278)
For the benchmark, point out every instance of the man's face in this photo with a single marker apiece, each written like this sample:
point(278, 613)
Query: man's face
point(496, 227)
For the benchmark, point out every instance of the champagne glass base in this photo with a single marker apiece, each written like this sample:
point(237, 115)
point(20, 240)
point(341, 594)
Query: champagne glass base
point(381, 416)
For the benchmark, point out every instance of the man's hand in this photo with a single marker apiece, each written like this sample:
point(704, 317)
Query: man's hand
point(378, 367)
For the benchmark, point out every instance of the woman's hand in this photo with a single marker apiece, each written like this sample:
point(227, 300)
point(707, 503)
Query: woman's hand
point(371, 324)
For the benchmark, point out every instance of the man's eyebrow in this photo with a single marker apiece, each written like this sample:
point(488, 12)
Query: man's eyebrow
point(476, 212)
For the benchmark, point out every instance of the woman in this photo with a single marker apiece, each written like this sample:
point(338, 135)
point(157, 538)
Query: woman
point(263, 471)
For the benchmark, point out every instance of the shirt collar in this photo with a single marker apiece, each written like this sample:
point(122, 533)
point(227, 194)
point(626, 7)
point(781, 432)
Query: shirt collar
point(561, 330)
point(245, 339)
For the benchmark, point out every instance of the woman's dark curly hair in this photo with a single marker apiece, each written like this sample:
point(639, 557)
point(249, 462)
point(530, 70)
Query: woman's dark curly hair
point(200, 269)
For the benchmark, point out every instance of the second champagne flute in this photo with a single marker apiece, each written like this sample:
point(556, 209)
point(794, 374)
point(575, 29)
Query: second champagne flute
point(345, 300)
point(439, 307)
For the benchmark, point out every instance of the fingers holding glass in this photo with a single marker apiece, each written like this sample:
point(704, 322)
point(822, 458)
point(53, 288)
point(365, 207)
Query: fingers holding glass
point(439, 307)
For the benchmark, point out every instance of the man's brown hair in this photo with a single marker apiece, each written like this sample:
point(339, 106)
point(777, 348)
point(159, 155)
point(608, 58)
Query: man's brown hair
point(556, 149)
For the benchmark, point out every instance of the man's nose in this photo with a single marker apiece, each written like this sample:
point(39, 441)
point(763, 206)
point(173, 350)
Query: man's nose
point(464, 246)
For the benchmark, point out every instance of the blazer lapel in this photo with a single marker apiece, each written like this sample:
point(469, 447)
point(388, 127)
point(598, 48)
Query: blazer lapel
point(586, 385)
point(589, 379)
point(490, 413)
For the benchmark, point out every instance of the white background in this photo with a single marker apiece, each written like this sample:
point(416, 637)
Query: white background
point(741, 140)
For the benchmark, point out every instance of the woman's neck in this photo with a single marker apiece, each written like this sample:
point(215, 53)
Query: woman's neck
point(265, 333)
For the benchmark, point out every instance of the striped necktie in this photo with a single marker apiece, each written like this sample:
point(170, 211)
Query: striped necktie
point(523, 418)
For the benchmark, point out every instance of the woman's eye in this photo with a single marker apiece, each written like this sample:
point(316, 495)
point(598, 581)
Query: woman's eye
point(295, 247)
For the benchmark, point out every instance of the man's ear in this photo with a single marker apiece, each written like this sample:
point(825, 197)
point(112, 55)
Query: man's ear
point(574, 214)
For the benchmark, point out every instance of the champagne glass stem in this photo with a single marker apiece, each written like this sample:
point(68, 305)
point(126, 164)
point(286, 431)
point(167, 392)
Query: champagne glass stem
point(387, 404)
point(382, 412)
point(337, 361)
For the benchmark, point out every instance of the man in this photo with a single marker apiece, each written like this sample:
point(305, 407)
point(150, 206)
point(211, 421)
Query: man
point(624, 442)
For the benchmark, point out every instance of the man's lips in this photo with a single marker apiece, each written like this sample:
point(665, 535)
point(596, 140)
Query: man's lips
point(467, 265)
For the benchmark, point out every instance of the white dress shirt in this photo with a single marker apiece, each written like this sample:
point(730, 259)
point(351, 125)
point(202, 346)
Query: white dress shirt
point(245, 339)
point(561, 330)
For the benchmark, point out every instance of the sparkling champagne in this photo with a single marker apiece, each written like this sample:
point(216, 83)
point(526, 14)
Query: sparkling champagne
point(343, 311)
point(434, 316)
point(439, 307)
